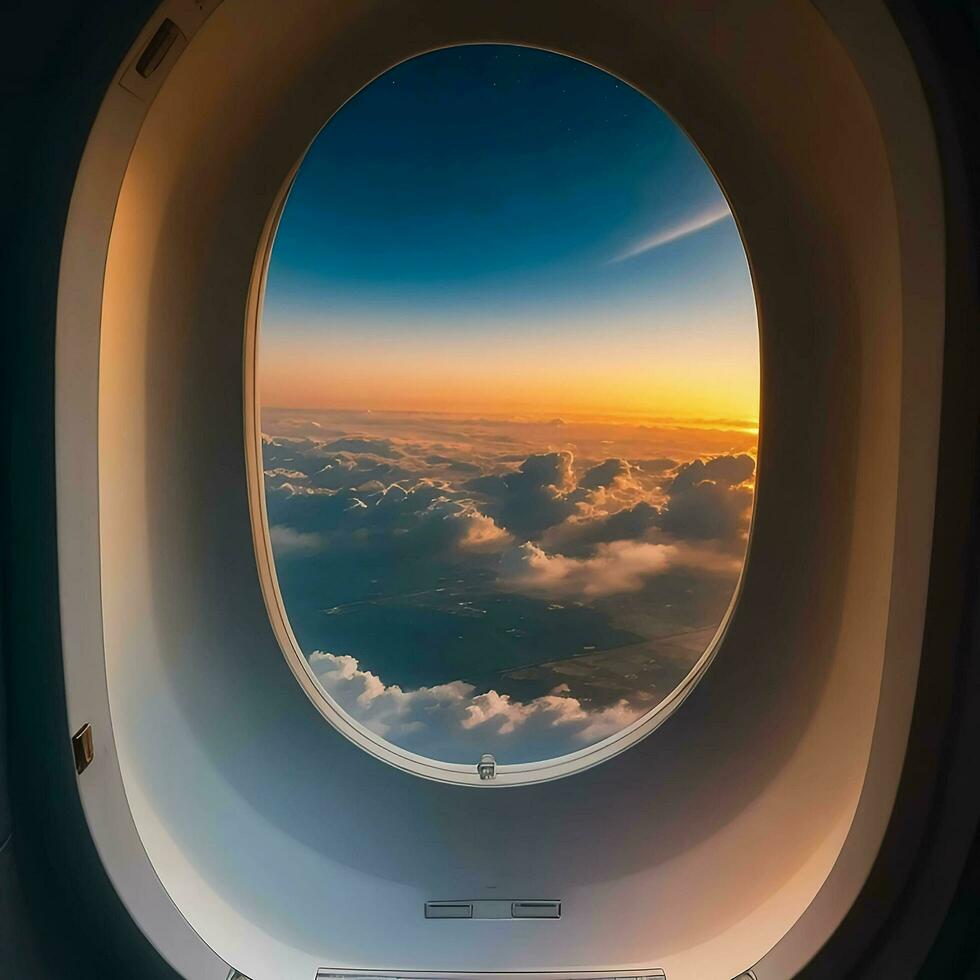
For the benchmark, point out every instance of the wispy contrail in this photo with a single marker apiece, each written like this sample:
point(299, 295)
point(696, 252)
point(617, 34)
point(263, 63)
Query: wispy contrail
point(703, 219)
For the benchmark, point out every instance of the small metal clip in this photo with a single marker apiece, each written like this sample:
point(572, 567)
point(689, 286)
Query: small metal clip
point(83, 748)
point(487, 767)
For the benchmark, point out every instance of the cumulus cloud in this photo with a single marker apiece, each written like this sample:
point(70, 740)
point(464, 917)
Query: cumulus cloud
point(447, 553)
point(709, 499)
point(480, 532)
point(582, 532)
point(417, 523)
point(346, 471)
point(552, 470)
point(360, 500)
point(533, 497)
point(727, 471)
point(605, 473)
point(659, 465)
point(466, 527)
point(459, 465)
point(284, 473)
point(452, 722)
point(580, 527)
point(288, 541)
point(616, 566)
point(708, 511)
point(608, 488)
point(307, 509)
point(364, 444)
point(704, 499)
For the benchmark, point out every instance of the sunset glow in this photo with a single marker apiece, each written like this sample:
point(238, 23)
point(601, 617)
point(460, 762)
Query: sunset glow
point(696, 379)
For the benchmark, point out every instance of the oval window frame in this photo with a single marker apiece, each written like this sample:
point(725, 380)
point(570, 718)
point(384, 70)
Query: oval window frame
point(460, 774)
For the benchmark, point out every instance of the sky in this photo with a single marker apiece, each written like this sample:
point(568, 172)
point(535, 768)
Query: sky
point(509, 387)
point(505, 230)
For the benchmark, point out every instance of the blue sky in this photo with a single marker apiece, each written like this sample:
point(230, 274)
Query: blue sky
point(488, 194)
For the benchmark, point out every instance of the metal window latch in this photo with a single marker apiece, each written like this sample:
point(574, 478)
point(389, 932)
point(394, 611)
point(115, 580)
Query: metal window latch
point(487, 766)
point(83, 748)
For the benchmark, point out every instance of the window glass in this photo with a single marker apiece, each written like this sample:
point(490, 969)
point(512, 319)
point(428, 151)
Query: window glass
point(508, 370)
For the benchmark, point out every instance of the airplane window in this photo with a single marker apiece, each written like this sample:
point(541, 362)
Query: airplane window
point(508, 371)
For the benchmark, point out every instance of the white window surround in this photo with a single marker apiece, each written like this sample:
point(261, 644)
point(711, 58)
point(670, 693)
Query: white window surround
point(209, 793)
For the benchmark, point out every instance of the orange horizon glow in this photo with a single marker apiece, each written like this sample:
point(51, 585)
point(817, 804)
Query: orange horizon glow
point(699, 382)
point(603, 414)
point(317, 395)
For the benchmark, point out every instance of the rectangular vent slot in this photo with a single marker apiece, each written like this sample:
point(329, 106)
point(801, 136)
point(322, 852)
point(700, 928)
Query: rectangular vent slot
point(449, 910)
point(494, 908)
point(535, 910)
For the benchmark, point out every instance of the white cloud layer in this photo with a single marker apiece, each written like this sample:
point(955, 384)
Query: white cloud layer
point(449, 722)
point(445, 554)
point(617, 566)
point(288, 541)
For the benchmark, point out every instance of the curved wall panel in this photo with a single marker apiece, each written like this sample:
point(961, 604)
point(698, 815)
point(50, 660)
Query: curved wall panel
point(284, 846)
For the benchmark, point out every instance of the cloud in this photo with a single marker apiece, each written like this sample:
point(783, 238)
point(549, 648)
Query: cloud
point(705, 218)
point(608, 488)
point(419, 523)
point(728, 471)
point(581, 533)
point(459, 465)
point(289, 541)
point(481, 533)
point(704, 499)
point(708, 499)
point(531, 498)
point(364, 444)
point(361, 501)
point(308, 509)
point(465, 527)
point(452, 722)
point(346, 471)
point(389, 558)
point(552, 470)
point(658, 465)
point(284, 473)
point(605, 473)
point(616, 567)
point(358, 501)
